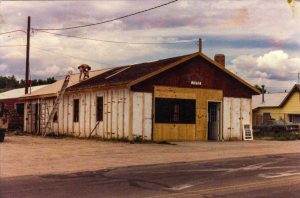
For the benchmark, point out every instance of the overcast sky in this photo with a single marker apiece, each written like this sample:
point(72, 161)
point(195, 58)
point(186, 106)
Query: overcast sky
point(261, 39)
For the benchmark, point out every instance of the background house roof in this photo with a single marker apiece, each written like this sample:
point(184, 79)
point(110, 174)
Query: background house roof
point(271, 100)
point(52, 89)
point(296, 87)
point(16, 93)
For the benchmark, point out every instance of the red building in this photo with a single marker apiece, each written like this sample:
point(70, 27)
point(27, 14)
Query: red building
point(12, 108)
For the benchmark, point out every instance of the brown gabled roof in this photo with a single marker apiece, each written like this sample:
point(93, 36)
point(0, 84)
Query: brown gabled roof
point(126, 74)
point(130, 75)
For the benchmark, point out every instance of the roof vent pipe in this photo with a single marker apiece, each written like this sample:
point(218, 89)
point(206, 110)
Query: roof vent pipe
point(200, 44)
point(220, 58)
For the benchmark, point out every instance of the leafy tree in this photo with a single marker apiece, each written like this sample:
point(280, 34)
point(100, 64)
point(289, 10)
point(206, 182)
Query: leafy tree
point(260, 89)
point(10, 82)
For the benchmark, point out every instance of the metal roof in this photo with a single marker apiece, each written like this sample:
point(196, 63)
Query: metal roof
point(271, 100)
point(16, 93)
point(52, 89)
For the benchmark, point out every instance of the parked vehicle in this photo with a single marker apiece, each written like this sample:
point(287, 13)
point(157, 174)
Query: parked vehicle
point(2, 135)
point(3, 126)
point(276, 126)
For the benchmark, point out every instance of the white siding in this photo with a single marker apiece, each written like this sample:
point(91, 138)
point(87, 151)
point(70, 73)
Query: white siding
point(137, 114)
point(235, 119)
point(142, 115)
point(126, 113)
point(236, 113)
point(226, 118)
point(148, 116)
point(116, 111)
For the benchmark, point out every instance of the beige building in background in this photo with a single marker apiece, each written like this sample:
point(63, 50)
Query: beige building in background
point(277, 106)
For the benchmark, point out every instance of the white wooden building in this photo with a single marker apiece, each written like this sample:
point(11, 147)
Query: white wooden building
point(190, 97)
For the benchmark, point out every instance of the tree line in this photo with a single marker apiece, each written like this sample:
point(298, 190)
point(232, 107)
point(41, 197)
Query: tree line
point(10, 82)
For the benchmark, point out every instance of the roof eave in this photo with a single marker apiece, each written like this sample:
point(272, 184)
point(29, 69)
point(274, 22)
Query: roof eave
point(289, 94)
point(92, 88)
point(39, 96)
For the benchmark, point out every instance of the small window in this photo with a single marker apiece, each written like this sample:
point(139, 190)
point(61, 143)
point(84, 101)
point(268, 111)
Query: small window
point(295, 118)
point(55, 118)
point(20, 109)
point(176, 113)
point(76, 110)
point(99, 108)
point(180, 111)
point(290, 118)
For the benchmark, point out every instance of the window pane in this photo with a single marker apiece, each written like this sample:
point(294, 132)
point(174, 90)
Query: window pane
point(296, 118)
point(169, 110)
point(1, 109)
point(55, 117)
point(99, 108)
point(76, 110)
point(20, 109)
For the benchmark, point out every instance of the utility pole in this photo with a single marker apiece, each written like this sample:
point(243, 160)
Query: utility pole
point(27, 56)
point(263, 93)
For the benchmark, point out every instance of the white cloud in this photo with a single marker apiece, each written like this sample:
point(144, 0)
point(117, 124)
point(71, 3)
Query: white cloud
point(3, 67)
point(49, 71)
point(275, 69)
point(183, 19)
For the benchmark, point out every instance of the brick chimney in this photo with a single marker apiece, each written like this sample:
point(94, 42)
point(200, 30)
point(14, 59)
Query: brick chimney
point(200, 44)
point(220, 58)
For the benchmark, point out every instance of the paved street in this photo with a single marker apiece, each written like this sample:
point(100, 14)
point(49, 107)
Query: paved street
point(261, 176)
point(33, 155)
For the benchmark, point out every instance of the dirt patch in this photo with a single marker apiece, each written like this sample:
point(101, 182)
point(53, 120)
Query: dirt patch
point(27, 155)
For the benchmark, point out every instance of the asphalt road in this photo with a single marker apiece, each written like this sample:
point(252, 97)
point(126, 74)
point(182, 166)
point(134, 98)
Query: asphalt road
point(264, 176)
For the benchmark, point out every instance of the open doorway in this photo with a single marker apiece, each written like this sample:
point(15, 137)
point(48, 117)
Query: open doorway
point(214, 120)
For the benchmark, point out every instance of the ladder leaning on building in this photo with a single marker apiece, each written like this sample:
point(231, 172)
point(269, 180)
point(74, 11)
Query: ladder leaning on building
point(47, 123)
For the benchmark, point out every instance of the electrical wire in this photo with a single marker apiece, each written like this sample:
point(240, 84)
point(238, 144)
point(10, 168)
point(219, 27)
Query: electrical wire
point(2, 33)
point(12, 45)
point(120, 42)
point(107, 21)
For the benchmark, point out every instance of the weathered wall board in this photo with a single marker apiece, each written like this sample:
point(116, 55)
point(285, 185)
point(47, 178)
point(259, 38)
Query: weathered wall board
point(197, 73)
point(116, 108)
point(181, 132)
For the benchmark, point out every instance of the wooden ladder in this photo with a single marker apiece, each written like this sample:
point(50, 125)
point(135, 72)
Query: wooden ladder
point(48, 127)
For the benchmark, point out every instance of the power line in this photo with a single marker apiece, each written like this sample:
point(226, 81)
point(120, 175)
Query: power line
point(65, 55)
point(12, 45)
point(107, 21)
point(2, 33)
point(120, 42)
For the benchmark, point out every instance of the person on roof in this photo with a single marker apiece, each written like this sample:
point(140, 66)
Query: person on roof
point(84, 70)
